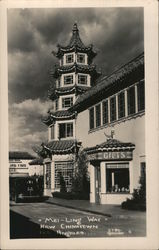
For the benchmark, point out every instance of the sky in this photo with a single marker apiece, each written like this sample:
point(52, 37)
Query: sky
point(116, 33)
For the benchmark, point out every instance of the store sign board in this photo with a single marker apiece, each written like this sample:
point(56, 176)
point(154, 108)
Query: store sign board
point(120, 155)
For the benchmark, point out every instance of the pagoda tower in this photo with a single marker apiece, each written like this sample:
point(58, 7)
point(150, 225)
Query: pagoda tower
point(74, 75)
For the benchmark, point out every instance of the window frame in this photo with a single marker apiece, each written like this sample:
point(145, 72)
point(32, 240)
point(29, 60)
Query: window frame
point(69, 55)
point(52, 132)
point(59, 167)
point(68, 76)
point(141, 95)
point(98, 115)
point(79, 80)
point(63, 100)
point(84, 57)
point(105, 115)
point(131, 108)
point(91, 119)
point(113, 113)
point(67, 126)
point(121, 105)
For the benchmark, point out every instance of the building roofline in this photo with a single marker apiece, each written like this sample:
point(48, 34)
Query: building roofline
point(107, 83)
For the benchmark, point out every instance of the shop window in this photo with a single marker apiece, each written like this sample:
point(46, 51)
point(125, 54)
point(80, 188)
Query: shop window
point(82, 79)
point(105, 112)
point(48, 175)
point(91, 118)
point(68, 79)
point(67, 102)
point(131, 100)
point(98, 115)
point(52, 132)
point(80, 58)
point(113, 108)
point(65, 130)
point(117, 178)
point(121, 105)
point(141, 96)
point(64, 169)
point(69, 58)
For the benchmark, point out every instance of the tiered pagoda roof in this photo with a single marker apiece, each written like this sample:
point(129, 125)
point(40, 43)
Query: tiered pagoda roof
point(57, 147)
point(59, 70)
point(54, 93)
point(111, 145)
point(58, 115)
point(76, 45)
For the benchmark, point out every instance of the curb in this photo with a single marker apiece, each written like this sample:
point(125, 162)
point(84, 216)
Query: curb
point(80, 209)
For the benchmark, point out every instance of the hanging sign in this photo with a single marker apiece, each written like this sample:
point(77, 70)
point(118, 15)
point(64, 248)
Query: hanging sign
point(120, 155)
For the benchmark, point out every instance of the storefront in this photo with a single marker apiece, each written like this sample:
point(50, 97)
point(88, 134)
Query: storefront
point(111, 172)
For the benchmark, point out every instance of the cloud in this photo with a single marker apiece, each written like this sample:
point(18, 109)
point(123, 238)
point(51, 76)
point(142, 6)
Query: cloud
point(25, 125)
point(117, 34)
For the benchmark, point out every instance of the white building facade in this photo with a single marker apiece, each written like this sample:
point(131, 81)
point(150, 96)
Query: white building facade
point(106, 118)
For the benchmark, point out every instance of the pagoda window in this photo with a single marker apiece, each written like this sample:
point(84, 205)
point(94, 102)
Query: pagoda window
point(67, 102)
point(56, 104)
point(113, 109)
point(91, 118)
point(98, 115)
point(68, 79)
point(131, 100)
point(105, 112)
point(52, 132)
point(82, 79)
point(81, 58)
point(69, 58)
point(121, 105)
point(65, 130)
point(141, 96)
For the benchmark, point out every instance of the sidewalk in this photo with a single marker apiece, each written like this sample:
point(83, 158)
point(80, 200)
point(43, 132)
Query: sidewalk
point(114, 211)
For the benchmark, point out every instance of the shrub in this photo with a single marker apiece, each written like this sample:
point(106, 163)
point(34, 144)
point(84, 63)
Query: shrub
point(138, 200)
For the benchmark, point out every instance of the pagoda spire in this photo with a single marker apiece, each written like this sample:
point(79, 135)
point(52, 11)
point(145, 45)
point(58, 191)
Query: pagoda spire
point(75, 39)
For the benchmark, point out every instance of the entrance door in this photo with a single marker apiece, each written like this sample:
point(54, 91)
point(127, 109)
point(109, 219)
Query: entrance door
point(98, 184)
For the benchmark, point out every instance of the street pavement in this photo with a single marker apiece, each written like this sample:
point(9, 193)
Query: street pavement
point(44, 220)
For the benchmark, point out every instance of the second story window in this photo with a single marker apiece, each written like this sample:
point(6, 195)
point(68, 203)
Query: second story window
point(131, 100)
point(91, 118)
point(65, 130)
point(113, 109)
point(81, 58)
point(105, 112)
point(67, 102)
point(69, 58)
point(98, 115)
point(68, 79)
point(82, 79)
point(141, 96)
point(121, 105)
point(52, 132)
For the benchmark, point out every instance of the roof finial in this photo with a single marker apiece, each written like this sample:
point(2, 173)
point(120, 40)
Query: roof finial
point(75, 28)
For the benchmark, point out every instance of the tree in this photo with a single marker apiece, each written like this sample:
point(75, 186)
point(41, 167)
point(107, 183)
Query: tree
point(80, 182)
